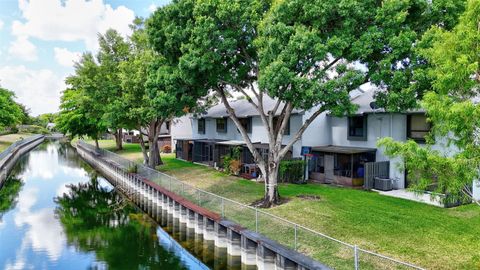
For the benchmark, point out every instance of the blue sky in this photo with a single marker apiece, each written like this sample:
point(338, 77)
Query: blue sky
point(41, 39)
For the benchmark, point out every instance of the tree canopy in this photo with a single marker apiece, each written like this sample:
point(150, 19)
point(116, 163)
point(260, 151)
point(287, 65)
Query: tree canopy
point(81, 108)
point(11, 112)
point(452, 107)
point(308, 55)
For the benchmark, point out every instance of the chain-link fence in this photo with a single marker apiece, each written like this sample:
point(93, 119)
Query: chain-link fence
point(328, 250)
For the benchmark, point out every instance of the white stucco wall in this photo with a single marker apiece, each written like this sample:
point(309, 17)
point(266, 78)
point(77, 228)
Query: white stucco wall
point(318, 132)
point(258, 135)
point(181, 128)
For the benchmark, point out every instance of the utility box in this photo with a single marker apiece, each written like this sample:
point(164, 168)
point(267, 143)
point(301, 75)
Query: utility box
point(384, 184)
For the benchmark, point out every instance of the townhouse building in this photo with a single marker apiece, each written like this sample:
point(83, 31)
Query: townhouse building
point(339, 150)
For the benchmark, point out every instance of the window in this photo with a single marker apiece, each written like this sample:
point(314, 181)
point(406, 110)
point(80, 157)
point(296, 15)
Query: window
point(247, 124)
point(287, 128)
point(201, 126)
point(417, 127)
point(222, 125)
point(357, 128)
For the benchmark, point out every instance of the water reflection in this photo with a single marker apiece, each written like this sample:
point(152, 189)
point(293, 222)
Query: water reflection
point(96, 218)
point(56, 213)
point(9, 195)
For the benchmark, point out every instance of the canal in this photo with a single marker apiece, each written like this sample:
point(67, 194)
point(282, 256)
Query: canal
point(56, 212)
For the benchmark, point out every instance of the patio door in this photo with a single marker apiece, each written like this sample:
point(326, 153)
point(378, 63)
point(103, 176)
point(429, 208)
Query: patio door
point(329, 166)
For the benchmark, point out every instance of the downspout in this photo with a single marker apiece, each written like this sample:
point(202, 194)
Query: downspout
point(391, 125)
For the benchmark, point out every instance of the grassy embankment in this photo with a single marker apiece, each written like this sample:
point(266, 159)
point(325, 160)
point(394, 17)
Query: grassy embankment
point(7, 140)
point(425, 235)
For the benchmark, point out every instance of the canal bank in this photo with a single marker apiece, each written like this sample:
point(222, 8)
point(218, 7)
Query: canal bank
point(10, 156)
point(249, 248)
point(56, 212)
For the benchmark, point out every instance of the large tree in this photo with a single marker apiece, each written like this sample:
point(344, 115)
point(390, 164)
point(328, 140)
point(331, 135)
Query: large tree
point(141, 114)
point(167, 91)
point(308, 55)
point(11, 112)
point(452, 106)
point(81, 108)
point(114, 50)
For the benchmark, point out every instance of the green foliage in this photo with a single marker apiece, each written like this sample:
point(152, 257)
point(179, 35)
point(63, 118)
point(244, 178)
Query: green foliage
point(9, 194)
point(291, 171)
point(114, 51)
point(456, 118)
point(43, 119)
point(132, 168)
point(231, 161)
point(82, 106)
point(10, 111)
point(33, 129)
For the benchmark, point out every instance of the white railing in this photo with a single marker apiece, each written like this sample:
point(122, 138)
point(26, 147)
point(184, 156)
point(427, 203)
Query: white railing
point(326, 249)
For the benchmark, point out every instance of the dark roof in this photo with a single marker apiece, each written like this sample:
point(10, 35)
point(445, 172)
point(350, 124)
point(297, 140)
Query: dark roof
point(342, 149)
point(243, 108)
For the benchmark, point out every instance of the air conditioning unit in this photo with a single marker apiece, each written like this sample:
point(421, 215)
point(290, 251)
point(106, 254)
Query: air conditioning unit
point(384, 184)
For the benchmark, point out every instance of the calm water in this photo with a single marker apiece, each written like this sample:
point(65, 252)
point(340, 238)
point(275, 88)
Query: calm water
point(56, 213)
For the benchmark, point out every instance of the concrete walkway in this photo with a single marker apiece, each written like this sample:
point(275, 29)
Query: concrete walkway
point(412, 196)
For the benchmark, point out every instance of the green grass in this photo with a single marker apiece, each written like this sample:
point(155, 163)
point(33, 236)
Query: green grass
point(7, 140)
point(425, 235)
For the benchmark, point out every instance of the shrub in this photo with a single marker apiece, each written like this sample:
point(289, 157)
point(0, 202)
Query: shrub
point(231, 162)
point(235, 166)
point(291, 170)
point(166, 149)
point(33, 129)
point(132, 168)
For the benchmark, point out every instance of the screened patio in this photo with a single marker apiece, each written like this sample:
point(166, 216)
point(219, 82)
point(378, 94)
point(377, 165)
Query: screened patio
point(340, 165)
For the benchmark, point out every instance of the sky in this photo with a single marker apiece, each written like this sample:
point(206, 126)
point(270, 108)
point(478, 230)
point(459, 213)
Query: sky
point(41, 39)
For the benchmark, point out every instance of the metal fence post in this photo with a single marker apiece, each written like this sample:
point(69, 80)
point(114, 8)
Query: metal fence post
point(198, 198)
point(256, 219)
point(223, 208)
point(295, 245)
point(355, 254)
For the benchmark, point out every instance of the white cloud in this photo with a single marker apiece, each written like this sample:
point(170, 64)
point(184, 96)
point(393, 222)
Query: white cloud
point(22, 48)
point(38, 89)
point(71, 20)
point(65, 57)
point(1, 24)
point(152, 7)
point(43, 230)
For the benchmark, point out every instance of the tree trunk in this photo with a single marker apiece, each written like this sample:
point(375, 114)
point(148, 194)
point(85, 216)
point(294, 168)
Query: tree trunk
point(144, 149)
point(154, 158)
point(118, 139)
point(97, 146)
point(272, 196)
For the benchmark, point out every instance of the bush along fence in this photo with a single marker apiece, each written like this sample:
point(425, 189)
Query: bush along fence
point(330, 251)
point(292, 170)
point(9, 156)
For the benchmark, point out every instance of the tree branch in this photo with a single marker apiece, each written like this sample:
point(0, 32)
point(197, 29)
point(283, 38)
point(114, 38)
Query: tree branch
point(231, 112)
point(288, 108)
point(331, 64)
point(299, 133)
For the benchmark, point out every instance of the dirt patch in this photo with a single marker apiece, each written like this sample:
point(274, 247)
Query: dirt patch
point(260, 203)
point(309, 197)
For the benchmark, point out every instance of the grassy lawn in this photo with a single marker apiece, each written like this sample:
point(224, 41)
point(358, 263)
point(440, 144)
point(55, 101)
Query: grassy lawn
point(7, 140)
point(425, 235)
